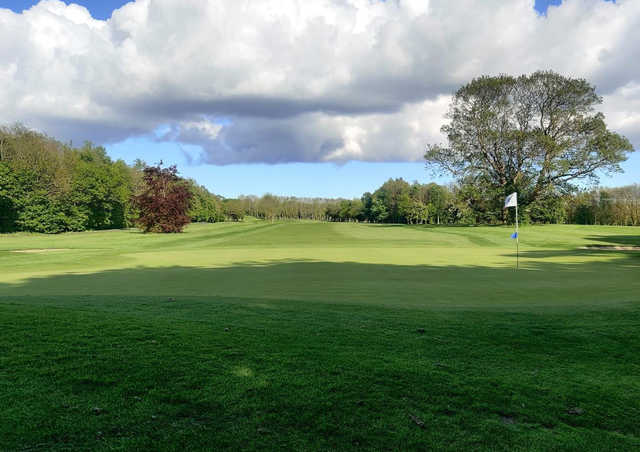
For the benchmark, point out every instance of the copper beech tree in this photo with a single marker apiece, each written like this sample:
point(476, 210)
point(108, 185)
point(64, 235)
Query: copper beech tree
point(164, 200)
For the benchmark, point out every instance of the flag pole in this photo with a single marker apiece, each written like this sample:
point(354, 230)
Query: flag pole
point(512, 201)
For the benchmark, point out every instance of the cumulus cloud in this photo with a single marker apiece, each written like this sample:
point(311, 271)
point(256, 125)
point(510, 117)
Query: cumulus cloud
point(316, 136)
point(296, 80)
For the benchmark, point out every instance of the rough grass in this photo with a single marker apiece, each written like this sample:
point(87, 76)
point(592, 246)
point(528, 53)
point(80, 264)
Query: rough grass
point(312, 336)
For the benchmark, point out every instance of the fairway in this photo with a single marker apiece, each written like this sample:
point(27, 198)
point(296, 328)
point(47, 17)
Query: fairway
point(321, 336)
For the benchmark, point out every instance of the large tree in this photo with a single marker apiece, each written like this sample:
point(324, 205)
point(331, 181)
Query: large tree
point(536, 134)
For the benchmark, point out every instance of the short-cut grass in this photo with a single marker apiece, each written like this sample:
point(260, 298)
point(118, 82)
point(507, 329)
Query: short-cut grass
point(320, 336)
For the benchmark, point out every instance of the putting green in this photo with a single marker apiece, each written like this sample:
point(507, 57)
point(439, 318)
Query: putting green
point(413, 266)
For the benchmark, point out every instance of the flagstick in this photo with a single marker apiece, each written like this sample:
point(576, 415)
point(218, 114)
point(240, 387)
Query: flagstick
point(512, 201)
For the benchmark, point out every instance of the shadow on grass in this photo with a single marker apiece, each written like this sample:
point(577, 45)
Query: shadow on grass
point(616, 257)
point(621, 256)
point(581, 277)
point(437, 226)
point(628, 240)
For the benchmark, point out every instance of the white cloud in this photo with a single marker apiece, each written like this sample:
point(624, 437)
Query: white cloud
point(298, 80)
point(315, 136)
point(622, 109)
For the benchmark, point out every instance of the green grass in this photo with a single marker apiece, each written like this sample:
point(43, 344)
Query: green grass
point(314, 336)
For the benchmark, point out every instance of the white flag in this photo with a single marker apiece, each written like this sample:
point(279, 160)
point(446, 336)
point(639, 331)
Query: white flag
point(511, 200)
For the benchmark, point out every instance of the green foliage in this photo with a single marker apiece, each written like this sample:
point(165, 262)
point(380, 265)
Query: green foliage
point(546, 210)
point(415, 212)
point(234, 211)
point(345, 210)
point(379, 210)
point(47, 186)
point(102, 188)
point(11, 193)
point(536, 134)
point(393, 193)
point(615, 206)
point(396, 201)
point(42, 214)
point(205, 207)
point(473, 200)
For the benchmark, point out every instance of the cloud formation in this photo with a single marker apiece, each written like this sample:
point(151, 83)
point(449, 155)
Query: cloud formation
point(296, 80)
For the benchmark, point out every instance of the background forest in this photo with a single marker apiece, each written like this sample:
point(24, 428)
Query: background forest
point(48, 186)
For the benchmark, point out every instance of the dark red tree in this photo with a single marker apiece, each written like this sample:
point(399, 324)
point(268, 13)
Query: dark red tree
point(164, 200)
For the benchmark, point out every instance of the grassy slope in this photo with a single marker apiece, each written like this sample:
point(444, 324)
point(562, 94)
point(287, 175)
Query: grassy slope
point(304, 335)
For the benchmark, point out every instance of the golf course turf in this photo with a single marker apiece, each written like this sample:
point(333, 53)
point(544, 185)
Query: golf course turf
point(321, 336)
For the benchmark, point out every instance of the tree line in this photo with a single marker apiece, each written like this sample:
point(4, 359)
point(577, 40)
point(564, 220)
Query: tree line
point(397, 201)
point(49, 186)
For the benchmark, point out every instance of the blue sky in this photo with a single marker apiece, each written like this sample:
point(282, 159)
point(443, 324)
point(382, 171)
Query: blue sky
point(316, 179)
point(101, 9)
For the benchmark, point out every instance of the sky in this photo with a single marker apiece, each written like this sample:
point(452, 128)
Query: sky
point(322, 98)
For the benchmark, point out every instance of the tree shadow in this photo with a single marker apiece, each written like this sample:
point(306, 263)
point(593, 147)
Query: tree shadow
point(580, 277)
point(436, 226)
point(622, 240)
point(621, 257)
point(386, 225)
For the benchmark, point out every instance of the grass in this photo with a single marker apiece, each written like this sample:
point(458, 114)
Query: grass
point(314, 336)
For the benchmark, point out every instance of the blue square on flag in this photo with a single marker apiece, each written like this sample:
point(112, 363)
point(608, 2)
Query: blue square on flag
point(514, 235)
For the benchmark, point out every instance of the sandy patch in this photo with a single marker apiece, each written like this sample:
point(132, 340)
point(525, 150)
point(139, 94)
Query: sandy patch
point(40, 250)
point(612, 247)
